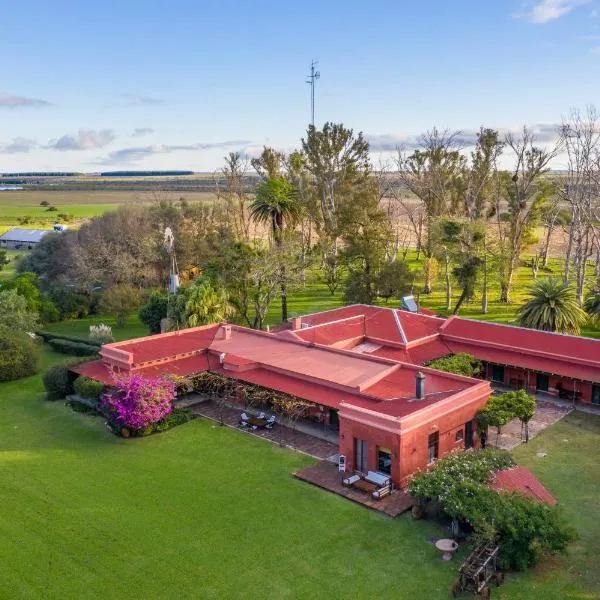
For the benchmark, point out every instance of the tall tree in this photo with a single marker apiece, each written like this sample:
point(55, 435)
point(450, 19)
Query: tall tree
point(525, 194)
point(338, 162)
point(432, 174)
point(552, 306)
point(202, 303)
point(275, 203)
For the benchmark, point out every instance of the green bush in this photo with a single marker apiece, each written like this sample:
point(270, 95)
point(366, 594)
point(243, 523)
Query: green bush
point(49, 335)
point(178, 416)
point(460, 363)
point(19, 356)
point(88, 388)
point(58, 379)
point(73, 348)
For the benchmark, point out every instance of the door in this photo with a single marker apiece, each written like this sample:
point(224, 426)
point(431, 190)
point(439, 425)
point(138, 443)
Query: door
point(469, 434)
point(362, 456)
point(596, 393)
point(498, 373)
point(384, 460)
point(542, 381)
point(433, 446)
point(334, 420)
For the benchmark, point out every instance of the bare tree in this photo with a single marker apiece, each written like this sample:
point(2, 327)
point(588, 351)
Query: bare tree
point(525, 193)
point(581, 138)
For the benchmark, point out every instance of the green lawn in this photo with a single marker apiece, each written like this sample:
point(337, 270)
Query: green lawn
point(207, 512)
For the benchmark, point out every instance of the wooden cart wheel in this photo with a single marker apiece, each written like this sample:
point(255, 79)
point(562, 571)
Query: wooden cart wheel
point(499, 578)
point(485, 593)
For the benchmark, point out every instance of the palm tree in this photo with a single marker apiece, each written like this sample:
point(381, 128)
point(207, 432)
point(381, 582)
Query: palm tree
point(206, 304)
point(592, 305)
point(552, 306)
point(275, 203)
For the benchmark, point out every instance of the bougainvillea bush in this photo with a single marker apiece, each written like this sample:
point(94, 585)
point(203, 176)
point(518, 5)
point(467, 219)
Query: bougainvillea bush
point(138, 402)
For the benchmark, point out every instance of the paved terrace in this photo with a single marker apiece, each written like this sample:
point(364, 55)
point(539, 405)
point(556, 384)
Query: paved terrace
point(295, 439)
point(325, 475)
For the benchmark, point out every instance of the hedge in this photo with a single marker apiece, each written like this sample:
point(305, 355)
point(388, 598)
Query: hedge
point(58, 379)
point(88, 388)
point(49, 335)
point(73, 348)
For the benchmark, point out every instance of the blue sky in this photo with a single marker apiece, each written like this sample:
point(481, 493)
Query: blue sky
point(144, 85)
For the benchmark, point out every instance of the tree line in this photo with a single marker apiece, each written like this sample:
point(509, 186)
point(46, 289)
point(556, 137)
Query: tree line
point(323, 209)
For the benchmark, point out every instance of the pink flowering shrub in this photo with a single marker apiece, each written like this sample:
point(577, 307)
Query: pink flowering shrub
point(138, 401)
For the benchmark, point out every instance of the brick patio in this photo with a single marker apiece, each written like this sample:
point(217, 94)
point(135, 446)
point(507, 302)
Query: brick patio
point(296, 440)
point(325, 475)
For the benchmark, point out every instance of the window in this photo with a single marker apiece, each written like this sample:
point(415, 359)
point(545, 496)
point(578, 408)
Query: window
point(595, 394)
point(433, 447)
point(361, 461)
point(459, 436)
point(384, 460)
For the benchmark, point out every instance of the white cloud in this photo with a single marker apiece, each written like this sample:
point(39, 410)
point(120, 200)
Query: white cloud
point(84, 139)
point(10, 101)
point(543, 133)
point(19, 145)
point(141, 131)
point(137, 100)
point(544, 11)
point(133, 154)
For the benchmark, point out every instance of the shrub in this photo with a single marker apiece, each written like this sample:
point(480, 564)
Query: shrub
point(73, 348)
point(88, 388)
point(44, 203)
point(138, 402)
point(154, 311)
point(119, 301)
point(18, 355)
point(524, 528)
point(101, 334)
point(50, 335)
point(58, 379)
point(460, 363)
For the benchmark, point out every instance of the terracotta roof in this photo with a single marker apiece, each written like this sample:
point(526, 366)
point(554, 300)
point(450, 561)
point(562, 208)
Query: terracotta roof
point(520, 479)
point(527, 341)
point(167, 344)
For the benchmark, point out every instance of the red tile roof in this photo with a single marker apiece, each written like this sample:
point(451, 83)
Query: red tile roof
point(520, 479)
point(168, 344)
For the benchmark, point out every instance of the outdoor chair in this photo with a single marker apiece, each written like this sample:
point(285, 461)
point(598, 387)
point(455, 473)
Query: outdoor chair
point(270, 422)
point(244, 419)
point(351, 480)
point(262, 415)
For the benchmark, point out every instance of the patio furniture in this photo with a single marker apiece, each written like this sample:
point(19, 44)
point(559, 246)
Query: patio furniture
point(379, 479)
point(262, 415)
point(244, 419)
point(447, 548)
point(257, 423)
point(270, 422)
point(348, 481)
point(365, 486)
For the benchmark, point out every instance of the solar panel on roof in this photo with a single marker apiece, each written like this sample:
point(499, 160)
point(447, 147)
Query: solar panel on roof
point(408, 303)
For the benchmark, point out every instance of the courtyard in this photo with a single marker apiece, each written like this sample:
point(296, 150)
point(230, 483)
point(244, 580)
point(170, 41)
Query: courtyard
point(208, 511)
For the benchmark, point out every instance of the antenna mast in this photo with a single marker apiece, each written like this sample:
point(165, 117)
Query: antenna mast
point(174, 270)
point(312, 78)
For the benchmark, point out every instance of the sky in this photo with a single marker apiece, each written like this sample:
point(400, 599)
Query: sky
point(177, 85)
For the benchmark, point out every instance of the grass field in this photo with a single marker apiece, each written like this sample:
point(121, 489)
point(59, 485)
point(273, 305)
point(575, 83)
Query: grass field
point(81, 204)
point(207, 512)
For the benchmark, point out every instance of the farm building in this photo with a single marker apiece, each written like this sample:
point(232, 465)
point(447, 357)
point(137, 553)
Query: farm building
point(22, 239)
point(361, 369)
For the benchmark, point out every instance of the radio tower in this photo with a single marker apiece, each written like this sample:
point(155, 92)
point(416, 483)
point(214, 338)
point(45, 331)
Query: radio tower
point(312, 78)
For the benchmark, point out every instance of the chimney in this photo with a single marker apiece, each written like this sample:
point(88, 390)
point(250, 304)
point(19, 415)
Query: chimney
point(296, 323)
point(420, 391)
point(224, 332)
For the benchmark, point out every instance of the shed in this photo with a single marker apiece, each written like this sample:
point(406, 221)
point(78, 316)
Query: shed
point(19, 238)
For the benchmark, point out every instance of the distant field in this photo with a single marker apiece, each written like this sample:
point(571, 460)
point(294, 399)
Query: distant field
point(80, 204)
